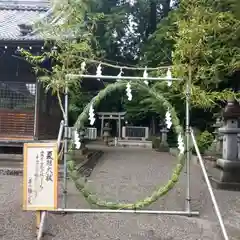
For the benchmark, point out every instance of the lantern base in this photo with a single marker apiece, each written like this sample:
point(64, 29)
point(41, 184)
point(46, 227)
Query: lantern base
point(226, 178)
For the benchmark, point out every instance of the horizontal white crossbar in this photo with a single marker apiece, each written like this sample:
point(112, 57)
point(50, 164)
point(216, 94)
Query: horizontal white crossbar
point(183, 213)
point(122, 77)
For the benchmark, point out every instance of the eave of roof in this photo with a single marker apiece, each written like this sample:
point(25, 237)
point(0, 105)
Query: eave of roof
point(11, 16)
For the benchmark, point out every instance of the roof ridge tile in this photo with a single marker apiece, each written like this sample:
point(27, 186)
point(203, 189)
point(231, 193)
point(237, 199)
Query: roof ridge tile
point(12, 7)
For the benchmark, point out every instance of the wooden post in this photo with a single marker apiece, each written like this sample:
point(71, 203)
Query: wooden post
point(119, 126)
point(38, 220)
point(102, 125)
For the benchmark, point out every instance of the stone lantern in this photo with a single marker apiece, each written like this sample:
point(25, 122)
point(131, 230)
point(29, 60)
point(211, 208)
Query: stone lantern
point(216, 147)
point(217, 140)
point(164, 144)
point(106, 133)
point(227, 175)
point(161, 143)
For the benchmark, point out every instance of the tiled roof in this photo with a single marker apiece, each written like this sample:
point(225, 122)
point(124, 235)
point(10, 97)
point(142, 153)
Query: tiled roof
point(13, 16)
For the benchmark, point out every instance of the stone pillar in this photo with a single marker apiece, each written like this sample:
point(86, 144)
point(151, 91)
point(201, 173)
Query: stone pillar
point(119, 126)
point(164, 132)
point(146, 133)
point(102, 126)
point(164, 144)
point(227, 171)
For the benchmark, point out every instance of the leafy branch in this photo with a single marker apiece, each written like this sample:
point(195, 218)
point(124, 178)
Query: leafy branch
point(209, 99)
point(199, 98)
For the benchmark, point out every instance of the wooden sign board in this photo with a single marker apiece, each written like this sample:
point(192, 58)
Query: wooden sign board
point(40, 176)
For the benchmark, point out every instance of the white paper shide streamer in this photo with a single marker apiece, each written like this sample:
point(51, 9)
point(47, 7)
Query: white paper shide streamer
point(77, 139)
point(129, 91)
point(145, 75)
point(169, 77)
point(83, 66)
point(119, 75)
point(91, 115)
point(168, 119)
point(181, 144)
point(99, 71)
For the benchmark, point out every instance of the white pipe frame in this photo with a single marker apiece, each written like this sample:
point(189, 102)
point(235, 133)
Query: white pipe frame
point(69, 76)
point(150, 212)
point(210, 189)
point(42, 225)
point(188, 211)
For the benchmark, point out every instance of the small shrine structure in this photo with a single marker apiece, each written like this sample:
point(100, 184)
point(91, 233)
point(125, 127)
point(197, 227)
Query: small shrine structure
point(118, 116)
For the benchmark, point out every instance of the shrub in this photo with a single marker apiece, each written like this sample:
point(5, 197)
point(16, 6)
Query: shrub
point(204, 141)
point(155, 142)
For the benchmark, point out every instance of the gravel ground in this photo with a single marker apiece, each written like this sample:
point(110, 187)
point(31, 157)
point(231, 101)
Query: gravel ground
point(125, 175)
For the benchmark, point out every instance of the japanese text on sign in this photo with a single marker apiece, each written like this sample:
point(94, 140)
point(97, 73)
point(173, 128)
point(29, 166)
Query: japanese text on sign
point(40, 176)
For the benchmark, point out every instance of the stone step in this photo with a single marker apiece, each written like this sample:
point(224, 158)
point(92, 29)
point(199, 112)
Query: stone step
point(16, 169)
point(134, 143)
point(12, 157)
point(11, 163)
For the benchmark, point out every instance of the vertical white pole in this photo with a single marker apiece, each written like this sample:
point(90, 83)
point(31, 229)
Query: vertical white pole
point(60, 133)
point(65, 149)
point(188, 197)
point(214, 201)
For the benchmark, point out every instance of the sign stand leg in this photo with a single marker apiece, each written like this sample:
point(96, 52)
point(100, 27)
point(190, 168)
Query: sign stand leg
point(38, 220)
point(188, 136)
point(41, 225)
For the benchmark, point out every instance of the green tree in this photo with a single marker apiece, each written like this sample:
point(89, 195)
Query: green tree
point(207, 40)
point(69, 38)
point(202, 36)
